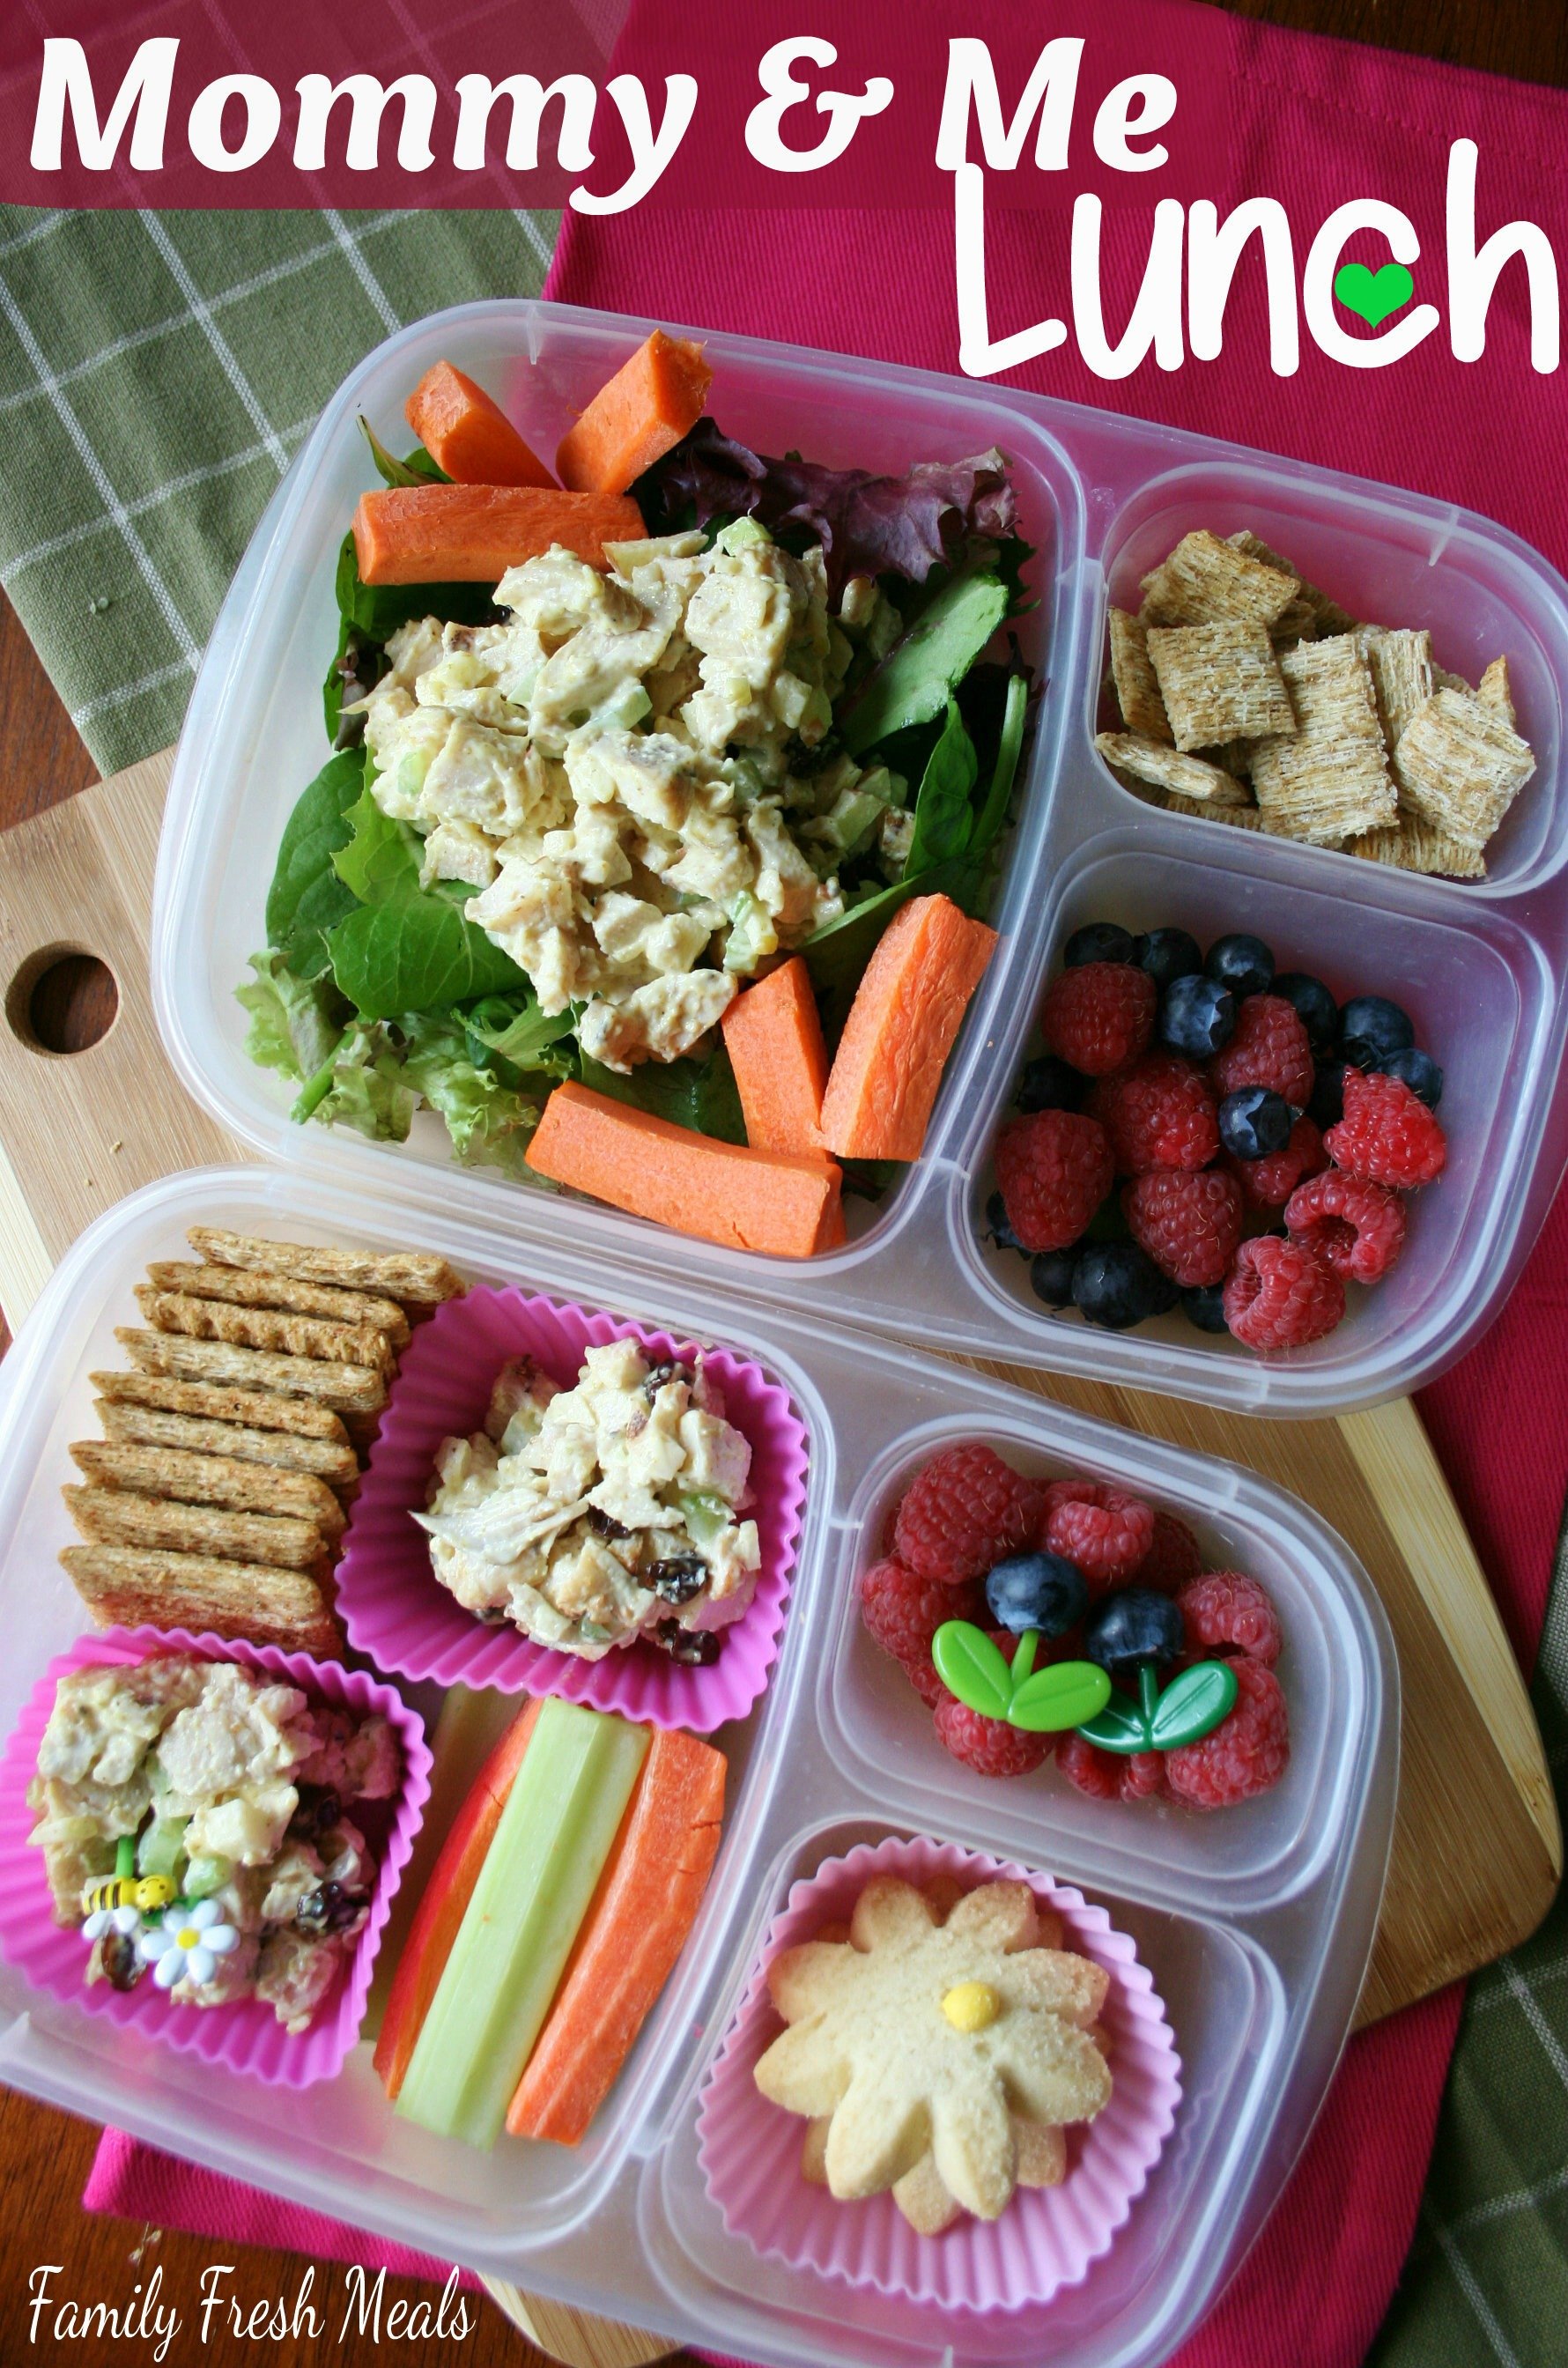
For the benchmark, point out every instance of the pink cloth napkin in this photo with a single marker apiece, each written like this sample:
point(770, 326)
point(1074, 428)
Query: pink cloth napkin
point(1312, 122)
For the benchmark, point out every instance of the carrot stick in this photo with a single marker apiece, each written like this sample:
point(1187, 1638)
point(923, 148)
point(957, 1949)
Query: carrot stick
point(644, 1910)
point(471, 534)
point(776, 1049)
point(466, 434)
point(907, 1007)
point(445, 1903)
point(718, 1191)
point(634, 419)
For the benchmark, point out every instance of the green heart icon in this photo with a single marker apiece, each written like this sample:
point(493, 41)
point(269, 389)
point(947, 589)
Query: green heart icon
point(1373, 295)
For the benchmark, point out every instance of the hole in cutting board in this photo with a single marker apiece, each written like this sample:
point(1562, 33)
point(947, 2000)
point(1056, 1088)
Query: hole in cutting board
point(62, 1000)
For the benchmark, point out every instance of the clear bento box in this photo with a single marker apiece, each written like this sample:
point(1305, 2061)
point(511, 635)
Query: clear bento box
point(1479, 965)
point(1254, 1924)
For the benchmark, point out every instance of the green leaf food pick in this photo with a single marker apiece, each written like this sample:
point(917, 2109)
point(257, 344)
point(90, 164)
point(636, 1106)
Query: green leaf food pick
point(1041, 1702)
point(1191, 1706)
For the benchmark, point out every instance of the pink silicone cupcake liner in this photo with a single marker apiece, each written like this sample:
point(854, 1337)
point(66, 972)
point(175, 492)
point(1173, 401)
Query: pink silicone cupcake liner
point(245, 2037)
point(396, 1610)
point(1047, 2239)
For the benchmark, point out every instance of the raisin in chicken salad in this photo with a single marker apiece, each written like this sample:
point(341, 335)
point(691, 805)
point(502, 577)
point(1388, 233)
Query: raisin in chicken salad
point(575, 811)
point(593, 1517)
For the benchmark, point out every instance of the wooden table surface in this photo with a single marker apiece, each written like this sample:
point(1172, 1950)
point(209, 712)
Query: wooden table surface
point(45, 2155)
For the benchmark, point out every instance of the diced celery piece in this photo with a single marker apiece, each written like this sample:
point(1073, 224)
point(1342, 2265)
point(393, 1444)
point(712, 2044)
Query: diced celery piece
point(203, 1876)
point(707, 1516)
point(739, 532)
point(161, 1847)
point(534, 1889)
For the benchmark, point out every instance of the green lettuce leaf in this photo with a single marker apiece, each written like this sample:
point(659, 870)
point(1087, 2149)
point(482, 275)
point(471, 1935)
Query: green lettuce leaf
point(361, 1085)
point(488, 1122)
point(407, 949)
point(294, 1025)
point(307, 896)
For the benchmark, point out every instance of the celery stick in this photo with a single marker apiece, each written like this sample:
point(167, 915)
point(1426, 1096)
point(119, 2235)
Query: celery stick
point(534, 1889)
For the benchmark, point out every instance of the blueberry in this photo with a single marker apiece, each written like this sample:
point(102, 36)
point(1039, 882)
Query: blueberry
point(1255, 1123)
point(1116, 1284)
point(997, 1228)
point(1204, 1305)
point(1132, 1625)
point(1371, 1025)
point(1051, 1277)
point(1043, 1591)
point(1313, 1005)
point(1050, 1083)
point(1243, 964)
point(1109, 1223)
point(1326, 1107)
point(1198, 1016)
point(1098, 941)
point(1167, 955)
point(1417, 1070)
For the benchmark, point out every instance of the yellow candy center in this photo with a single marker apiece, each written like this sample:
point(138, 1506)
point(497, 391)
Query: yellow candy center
point(972, 2006)
point(190, 1937)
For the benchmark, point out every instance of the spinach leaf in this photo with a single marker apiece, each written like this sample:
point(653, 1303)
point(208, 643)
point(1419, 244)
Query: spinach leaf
point(993, 814)
point(698, 1094)
point(943, 816)
point(403, 947)
point(836, 954)
point(380, 859)
point(913, 682)
point(419, 468)
point(307, 897)
point(368, 612)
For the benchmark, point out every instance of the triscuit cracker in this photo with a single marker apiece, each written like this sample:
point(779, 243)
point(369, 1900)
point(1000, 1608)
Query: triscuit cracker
point(347, 1389)
point(186, 1479)
point(1331, 779)
point(1137, 690)
point(1312, 615)
point(1414, 846)
point(1206, 579)
point(1220, 682)
point(259, 1410)
point(1168, 768)
point(361, 1310)
point(139, 1425)
point(1495, 690)
point(410, 1275)
point(114, 1516)
point(264, 1327)
point(126, 1588)
point(1402, 674)
point(872, 2047)
point(1459, 764)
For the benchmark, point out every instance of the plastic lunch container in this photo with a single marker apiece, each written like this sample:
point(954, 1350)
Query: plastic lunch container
point(1255, 1924)
point(1481, 966)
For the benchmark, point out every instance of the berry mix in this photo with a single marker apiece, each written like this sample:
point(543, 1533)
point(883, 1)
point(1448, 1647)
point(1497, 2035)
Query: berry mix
point(1073, 1571)
point(1263, 1135)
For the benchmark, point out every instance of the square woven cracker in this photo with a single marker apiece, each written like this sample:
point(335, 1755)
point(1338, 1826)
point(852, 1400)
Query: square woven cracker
point(1220, 682)
point(1459, 764)
point(1402, 674)
point(1312, 616)
point(1331, 779)
point(1495, 690)
point(1168, 768)
point(1137, 690)
point(1206, 579)
point(1172, 802)
point(1414, 846)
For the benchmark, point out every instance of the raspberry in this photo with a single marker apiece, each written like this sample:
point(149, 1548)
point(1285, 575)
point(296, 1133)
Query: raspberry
point(1099, 1016)
point(1226, 1609)
point(1190, 1225)
point(1355, 1228)
point(988, 1744)
point(1160, 1113)
point(1277, 1295)
point(1055, 1168)
point(1269, 1048)
point(964, 1511)
point(1110, 1775)
point(1269, 1183)
point(1173, 1557)
point(903, 1611)
point(1245, 1754)
point(1388, 1135)
point(1104, 1531)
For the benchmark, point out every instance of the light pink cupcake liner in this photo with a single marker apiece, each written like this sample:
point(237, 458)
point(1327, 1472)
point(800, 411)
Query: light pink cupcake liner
point(1048, 2238)
point(396, 1610)
point(245, 2037)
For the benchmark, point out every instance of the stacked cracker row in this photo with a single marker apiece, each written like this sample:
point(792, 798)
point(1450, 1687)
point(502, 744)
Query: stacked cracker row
point(1249, 695)
point(218, 1495)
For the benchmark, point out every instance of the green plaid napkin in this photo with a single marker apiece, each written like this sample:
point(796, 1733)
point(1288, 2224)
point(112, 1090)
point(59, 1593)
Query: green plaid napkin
point(158, 372)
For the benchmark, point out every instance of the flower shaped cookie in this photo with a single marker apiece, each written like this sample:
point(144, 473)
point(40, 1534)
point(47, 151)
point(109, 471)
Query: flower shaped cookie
point(930, 2041)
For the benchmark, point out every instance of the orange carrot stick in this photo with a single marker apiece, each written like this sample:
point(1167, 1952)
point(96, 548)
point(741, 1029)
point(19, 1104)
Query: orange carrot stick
point(469, 435)
point(907, 1007)
point(780, 1062)
point(635, 418)
point(471, 534)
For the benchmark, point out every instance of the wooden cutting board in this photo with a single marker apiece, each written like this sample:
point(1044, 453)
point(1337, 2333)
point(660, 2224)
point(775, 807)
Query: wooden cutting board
point(79, 1130)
